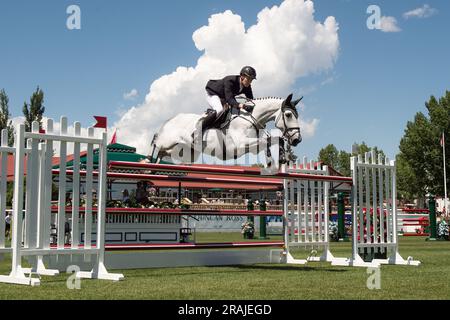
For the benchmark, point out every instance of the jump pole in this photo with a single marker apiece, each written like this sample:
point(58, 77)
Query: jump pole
point(247, 172)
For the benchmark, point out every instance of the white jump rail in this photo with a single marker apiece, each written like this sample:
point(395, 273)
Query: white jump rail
point(373, 184)
point(306, 208)
point(374, 218)
point(38, 196)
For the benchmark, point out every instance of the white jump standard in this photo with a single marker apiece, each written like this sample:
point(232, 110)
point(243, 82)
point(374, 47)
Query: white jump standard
point(375, 229)
point(38, 203)
point(306, 208)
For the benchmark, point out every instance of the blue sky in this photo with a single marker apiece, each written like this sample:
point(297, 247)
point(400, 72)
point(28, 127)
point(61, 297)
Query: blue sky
point(378, 83)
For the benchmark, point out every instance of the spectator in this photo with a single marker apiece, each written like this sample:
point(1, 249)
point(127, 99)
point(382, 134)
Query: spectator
point(126, 197)
point(152, 192)
point(142, 194)
point(8, 226)
point(67, 232)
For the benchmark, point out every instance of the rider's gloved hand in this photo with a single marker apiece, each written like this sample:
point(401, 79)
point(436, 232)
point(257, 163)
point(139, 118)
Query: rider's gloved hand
point(248, 108)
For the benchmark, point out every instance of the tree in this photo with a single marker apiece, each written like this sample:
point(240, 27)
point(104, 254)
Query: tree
point(407, 187)
point(363, 148)
point(343, 166)
point(5, 122)
point(329, 155)
point(9, 194)
point(420, 160)
point(340, 160)
point(35, 110)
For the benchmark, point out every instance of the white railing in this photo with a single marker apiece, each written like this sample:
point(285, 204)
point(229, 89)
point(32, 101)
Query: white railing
point(5, 151)
point(306, 211)
point(374, 218)
point(38, 153)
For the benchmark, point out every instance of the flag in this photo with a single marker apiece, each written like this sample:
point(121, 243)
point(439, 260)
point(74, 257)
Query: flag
point(442, 140)
point(114, 138)
point(101, 122)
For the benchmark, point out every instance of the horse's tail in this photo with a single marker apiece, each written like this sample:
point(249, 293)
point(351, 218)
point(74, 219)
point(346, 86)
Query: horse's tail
point(155, 136)
point(155, 150)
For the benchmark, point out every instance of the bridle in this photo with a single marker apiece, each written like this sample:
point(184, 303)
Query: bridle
point(286, 132)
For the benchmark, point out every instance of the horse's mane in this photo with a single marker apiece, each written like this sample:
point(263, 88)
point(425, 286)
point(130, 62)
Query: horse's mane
point(268, 98)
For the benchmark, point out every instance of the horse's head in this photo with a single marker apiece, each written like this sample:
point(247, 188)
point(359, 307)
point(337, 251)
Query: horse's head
point(288, 121)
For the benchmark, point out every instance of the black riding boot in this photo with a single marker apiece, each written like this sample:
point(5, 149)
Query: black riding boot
point(205, 124)
point(209, 120)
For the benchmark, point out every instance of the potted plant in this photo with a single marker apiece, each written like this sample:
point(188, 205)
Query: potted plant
point(443, 230)
point(333, 231)
point(248, 230)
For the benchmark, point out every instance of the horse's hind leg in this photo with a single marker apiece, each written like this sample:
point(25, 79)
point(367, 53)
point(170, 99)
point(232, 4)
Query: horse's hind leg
point(154, 155)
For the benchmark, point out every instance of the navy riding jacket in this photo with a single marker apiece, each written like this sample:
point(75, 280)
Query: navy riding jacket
point(227, 88)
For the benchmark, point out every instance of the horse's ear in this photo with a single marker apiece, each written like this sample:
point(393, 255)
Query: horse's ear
point(288, 99)
point(296, 102)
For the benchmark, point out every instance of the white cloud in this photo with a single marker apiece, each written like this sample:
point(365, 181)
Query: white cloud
point(285, 44)
point(389, 24)
point(327, 81)
point(424, 12)
point(308, 89)
point(130, 95)
point(17, 120)
point(309, 128)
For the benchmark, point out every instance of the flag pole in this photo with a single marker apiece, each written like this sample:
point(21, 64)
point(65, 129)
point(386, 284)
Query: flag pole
point(445, 176)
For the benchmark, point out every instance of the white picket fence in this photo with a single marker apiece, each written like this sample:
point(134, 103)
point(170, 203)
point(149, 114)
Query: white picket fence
point(374, 217)
point(375, 221)
point(37, 192)
point(306, 208)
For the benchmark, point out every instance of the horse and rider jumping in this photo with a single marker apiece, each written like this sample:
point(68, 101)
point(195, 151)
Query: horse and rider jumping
point(242, 132)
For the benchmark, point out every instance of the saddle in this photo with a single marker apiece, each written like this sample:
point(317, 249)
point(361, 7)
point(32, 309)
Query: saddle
point(220, 121)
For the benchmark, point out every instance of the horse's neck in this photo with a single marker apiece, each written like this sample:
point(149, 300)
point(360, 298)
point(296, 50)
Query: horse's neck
point(266, 109)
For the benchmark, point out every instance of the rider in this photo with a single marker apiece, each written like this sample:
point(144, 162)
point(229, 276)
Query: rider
point(221, 92)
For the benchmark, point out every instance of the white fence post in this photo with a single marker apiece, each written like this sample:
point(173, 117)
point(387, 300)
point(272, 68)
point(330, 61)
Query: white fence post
point(38, 197)
point(308, 200)
point(4, 151)
point(373, 183)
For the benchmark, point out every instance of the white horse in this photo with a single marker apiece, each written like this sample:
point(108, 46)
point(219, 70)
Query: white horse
point(242, 136)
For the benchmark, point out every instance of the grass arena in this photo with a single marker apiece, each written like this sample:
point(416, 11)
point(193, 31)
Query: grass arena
point(260, 281)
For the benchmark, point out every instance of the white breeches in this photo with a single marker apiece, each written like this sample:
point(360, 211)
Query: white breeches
point(214, 102)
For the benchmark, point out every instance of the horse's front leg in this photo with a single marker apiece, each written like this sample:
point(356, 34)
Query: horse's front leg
point(283, 158)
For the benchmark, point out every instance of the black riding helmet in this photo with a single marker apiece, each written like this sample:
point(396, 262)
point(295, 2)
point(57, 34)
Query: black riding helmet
point(249, 72)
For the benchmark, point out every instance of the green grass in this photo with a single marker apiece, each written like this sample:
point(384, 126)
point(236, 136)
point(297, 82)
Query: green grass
point(262, 281)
